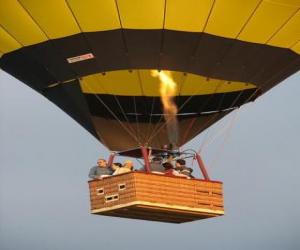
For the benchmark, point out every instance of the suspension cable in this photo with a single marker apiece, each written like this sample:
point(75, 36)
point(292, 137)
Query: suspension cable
point(222, 131)
point(226, 137)
point(114, 115)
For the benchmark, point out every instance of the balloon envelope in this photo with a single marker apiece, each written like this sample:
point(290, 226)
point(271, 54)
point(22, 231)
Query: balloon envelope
point(93, 59)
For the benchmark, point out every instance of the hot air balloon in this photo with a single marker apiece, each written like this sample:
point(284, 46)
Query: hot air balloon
point(95, 60)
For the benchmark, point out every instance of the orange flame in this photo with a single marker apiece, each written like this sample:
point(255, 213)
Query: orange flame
point(167, 91)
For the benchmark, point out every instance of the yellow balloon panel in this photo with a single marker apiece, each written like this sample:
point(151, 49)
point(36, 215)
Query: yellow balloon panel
point(53, 16)
point(141, 82)
point(267, 20)
point(7, 43)
point(92, 84)
point(295, 3)
point(150, 84)
point(95, 15)
point(228, 17)
point(296, 47)
point(121, 82)
point(188, 15)
point(199, 85)
point(289, 34)
point(18, 23)
point(137, 14)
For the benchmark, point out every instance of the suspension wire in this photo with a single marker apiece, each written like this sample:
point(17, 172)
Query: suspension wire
point(124, 115)
point(226, 137)
point(230, 107)
point(190, 125)
point(208, 99)
point(129, 126)
point(207, 134)
point(144, 102)
point(136, 118)
point(150, 119)
point(222, 131)
point(181, 82)
point(114, 115)
point(220, 104)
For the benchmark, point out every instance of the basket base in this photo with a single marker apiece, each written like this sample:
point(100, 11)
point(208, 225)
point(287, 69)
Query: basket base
point(157, 212)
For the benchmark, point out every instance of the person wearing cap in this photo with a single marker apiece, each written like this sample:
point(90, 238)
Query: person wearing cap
point(181, 168)
point(125, 168)
point(101, 170)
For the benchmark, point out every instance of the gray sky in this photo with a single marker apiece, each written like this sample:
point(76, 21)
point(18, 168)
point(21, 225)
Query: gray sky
point(45, 157)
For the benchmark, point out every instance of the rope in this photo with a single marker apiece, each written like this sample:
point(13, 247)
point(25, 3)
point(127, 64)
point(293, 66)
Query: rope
point(226, 137)
point(136, 119)
point(149, 132)
point(114, 115)
point(220, 132)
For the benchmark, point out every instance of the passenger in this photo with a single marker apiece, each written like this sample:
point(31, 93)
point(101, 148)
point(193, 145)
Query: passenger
point(116, 165)
point(168, 168)
point(156, 165)
point(127, 167)
point(181, 168)
point(101, 170)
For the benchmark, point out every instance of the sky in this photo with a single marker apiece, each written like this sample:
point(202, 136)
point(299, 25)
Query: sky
point(45, 157)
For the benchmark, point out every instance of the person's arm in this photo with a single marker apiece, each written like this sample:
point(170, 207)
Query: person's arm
point(92, 173)
point(174, 172)
point(115, 172)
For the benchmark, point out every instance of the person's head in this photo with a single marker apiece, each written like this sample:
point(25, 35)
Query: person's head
point(116, 165)
point(128, 164)
point(102, 163)
point(180, 162)
point(167, 166)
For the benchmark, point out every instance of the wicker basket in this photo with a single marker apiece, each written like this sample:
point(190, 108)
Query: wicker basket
point(154, 197)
